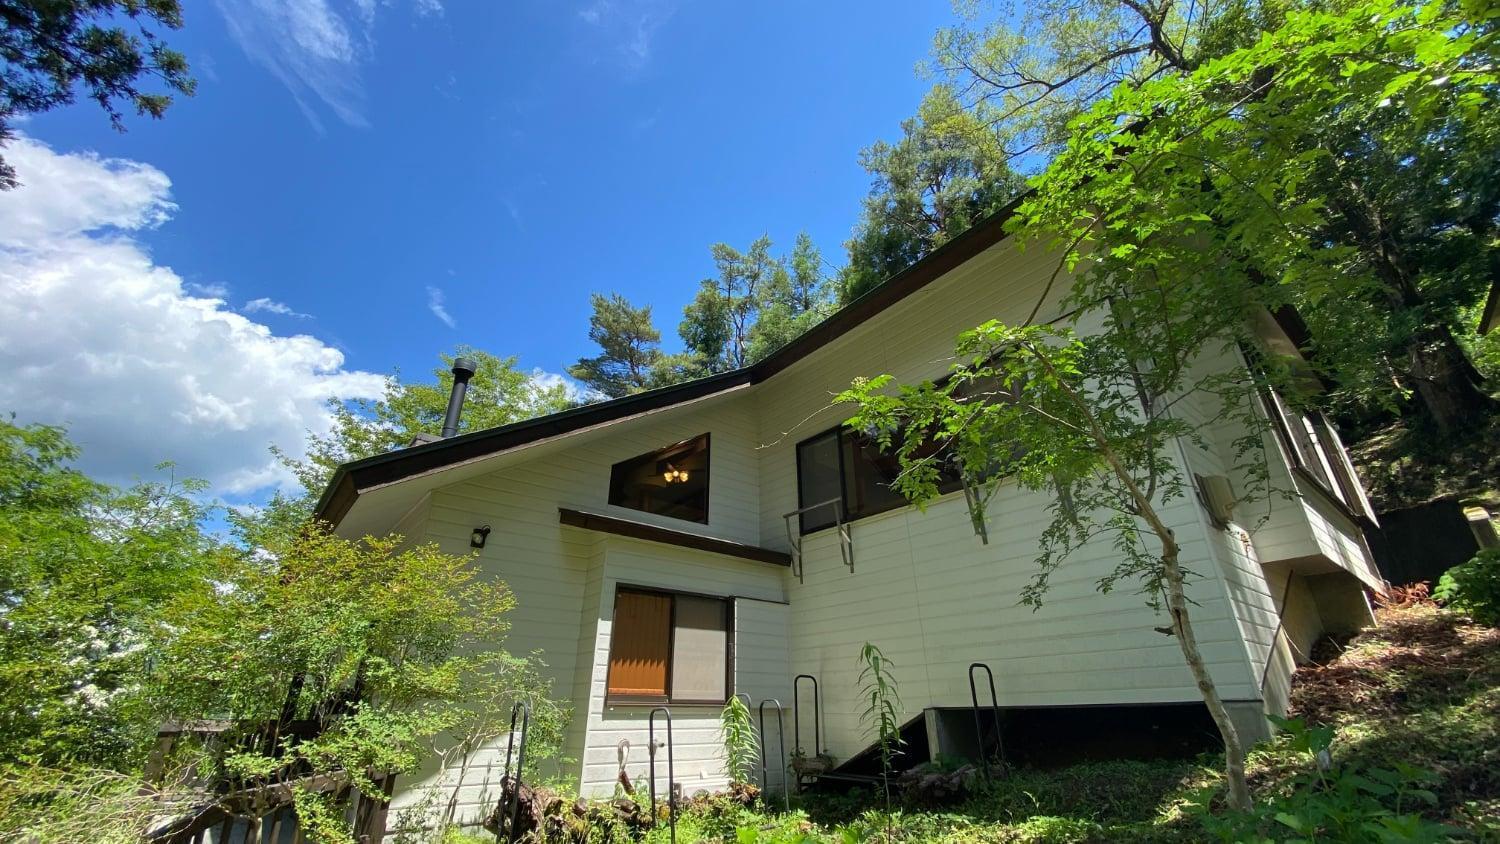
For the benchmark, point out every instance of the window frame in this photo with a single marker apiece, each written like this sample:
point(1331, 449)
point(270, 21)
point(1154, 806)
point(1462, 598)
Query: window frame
point(840, 432)
point(707, 438)
point(1336, 489)
point(612, 699)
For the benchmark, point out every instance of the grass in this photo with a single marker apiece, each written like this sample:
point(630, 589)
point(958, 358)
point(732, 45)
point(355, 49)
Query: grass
point(1422, 690)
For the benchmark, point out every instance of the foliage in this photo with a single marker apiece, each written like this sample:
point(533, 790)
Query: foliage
point(498, 394)
point(1332, 803)
point(800, 296)
point(1474, 587)
point(41, 805)
point(1080, 418)
point(882, 712)
point(1340, 151)
point(1403, 465)
point(320, 818)
point(943, 175)
point(86, 568)
point(1028, 72)
point(757, 303)
point(737, 735)
point(393, 652)
point(50, 48)
point(1360, 202)
point(629, 347)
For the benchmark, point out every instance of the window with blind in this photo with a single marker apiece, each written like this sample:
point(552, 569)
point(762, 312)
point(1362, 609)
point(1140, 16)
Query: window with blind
point(668, 647)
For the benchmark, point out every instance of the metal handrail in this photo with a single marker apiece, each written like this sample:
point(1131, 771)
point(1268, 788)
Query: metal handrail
point(797, 719)
point(523, 709)
point(765, 780)
point(671, 776)
point(794, 537)
point(994, 711)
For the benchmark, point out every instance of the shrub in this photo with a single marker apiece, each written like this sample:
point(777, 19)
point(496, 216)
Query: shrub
point(741, 750)
point(1330, 802)
point(52, 806)
point(1474, 587)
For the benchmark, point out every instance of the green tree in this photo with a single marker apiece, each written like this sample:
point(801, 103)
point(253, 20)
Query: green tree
point(798, 297)
point(629, 344)
point(1160, 221)
point(718, 323)
point(84, 570)
point(391, 652)
point(499, 394)
point(1026, 74)
point(49, 49)
point(1411, 206)
point(944, 174)
point(758, 303)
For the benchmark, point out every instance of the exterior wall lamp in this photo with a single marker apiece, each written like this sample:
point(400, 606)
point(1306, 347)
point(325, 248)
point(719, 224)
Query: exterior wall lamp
point(478, 537)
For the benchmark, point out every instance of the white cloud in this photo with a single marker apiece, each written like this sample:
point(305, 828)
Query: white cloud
point(628, 27)
point(140, 366)
point(316, 50)
point(271, 306)
point(213, 290)
point(575, 391)
point(435, 303)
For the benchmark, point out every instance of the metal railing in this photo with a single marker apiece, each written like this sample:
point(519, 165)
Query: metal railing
point(765, 780)
point(794, 536)
point(671, 777)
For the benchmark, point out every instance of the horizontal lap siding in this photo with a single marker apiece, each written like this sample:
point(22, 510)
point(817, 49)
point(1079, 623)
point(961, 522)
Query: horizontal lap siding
point(617, 735)
point(924, 588)
point(557, 573)
point(762, 672)
point(928, 591)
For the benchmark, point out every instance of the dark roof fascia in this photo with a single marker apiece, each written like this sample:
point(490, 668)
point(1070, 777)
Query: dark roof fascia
point(683, 539)
point(353, 478)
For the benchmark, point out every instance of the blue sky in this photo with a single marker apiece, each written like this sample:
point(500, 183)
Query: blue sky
point(346, 163)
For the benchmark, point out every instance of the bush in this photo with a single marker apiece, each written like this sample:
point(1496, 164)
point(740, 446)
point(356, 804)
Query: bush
point(1328, 801)
point(53, 806)
point(1474, 587)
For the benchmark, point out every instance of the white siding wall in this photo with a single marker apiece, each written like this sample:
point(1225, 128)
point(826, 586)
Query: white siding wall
point(924, 587)
point(563, 579)
point(617, 735)
point(763, 672)
point(1267, 532)
point(928, 592)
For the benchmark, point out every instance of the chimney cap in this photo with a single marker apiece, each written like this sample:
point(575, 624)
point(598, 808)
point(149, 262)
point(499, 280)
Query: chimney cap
point(464, 367)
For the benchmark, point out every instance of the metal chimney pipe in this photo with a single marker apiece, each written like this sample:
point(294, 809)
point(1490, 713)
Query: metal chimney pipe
point(463, 370)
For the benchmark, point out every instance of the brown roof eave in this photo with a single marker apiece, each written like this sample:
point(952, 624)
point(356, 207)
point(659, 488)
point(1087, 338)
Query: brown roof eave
point(352, 479)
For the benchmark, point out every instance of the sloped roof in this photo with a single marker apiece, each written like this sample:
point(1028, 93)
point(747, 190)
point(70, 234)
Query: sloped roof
point(352, 479)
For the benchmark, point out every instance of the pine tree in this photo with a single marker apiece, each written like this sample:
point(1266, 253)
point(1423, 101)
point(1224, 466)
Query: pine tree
point(629, 344)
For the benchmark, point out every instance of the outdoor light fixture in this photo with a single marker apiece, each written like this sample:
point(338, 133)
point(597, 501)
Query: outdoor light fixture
point(674, 475)
point(477, 538)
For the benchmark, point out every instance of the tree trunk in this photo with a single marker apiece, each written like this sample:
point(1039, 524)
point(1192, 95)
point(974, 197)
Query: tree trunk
point(1182, 627)
point(1445, 381)
point(1177, 601)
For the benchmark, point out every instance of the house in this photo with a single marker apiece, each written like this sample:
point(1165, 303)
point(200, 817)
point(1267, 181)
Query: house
point(665, 549)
